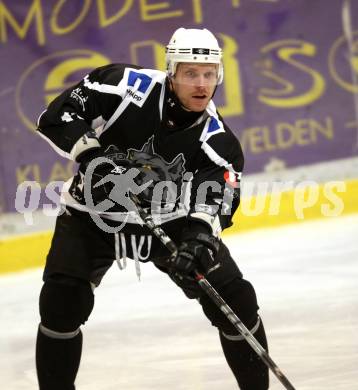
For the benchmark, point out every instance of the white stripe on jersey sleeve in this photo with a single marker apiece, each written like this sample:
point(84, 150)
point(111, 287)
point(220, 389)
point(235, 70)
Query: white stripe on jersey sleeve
point(214, 157)
point(98, 122)
point(104, 88)
point(205, 136)
point(38, 120)
point(55, 147)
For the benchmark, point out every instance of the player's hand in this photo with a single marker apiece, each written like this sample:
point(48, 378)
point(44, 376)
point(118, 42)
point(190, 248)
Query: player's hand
point(197, 252)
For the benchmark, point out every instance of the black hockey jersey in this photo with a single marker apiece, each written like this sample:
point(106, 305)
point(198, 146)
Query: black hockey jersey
point(125, 106)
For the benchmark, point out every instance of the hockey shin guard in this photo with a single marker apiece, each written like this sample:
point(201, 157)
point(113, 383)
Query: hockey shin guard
point(249, 370)
point(57, 359)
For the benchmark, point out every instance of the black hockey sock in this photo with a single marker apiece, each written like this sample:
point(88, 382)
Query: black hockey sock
point(250, 371)
point(57, 361)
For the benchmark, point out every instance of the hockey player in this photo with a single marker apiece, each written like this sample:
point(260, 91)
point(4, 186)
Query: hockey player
point(131, 129)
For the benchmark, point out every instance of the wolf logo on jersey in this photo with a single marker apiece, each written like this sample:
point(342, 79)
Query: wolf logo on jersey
point(157, 170)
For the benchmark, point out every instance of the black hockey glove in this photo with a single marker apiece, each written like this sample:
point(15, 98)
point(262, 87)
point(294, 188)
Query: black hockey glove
point(197, 251)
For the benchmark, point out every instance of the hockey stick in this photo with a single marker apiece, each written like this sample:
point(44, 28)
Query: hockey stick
point(215, 296)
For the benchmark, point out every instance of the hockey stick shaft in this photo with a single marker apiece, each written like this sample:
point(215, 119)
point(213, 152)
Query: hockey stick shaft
point(243, 330)
point(216, 298)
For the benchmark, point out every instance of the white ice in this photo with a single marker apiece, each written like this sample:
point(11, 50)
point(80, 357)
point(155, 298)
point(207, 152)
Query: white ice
point(146, 335)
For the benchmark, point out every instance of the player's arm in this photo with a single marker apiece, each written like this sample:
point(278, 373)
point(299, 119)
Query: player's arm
point(215, 195)
point(70, 121)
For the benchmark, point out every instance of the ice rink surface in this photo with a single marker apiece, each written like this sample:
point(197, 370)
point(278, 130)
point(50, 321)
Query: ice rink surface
point(146, 335)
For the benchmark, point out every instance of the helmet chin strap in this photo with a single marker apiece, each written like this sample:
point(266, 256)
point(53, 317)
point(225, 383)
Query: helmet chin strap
point(216, 87)
point(175, 96)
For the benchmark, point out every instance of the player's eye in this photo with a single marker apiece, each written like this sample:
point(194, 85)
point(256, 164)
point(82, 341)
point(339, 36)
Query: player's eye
point(210, 75)
point(190, 73)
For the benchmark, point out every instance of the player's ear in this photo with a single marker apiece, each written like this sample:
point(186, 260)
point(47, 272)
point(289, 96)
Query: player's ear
point(170, 83)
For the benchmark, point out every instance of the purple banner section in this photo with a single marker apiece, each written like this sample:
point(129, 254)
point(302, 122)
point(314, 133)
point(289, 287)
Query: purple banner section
point(290, 73)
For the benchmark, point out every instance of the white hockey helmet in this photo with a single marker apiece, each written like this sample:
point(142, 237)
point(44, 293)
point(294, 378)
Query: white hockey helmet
point(193, 45)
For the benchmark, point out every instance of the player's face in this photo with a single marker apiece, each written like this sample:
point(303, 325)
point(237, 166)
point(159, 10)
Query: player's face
point(194, 84)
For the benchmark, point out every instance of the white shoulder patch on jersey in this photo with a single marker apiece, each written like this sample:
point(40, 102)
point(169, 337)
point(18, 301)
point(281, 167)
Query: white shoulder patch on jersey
point(135, 87)
point(140, 83)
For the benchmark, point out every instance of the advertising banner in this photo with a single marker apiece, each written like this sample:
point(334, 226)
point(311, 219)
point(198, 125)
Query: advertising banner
point(290, 92)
